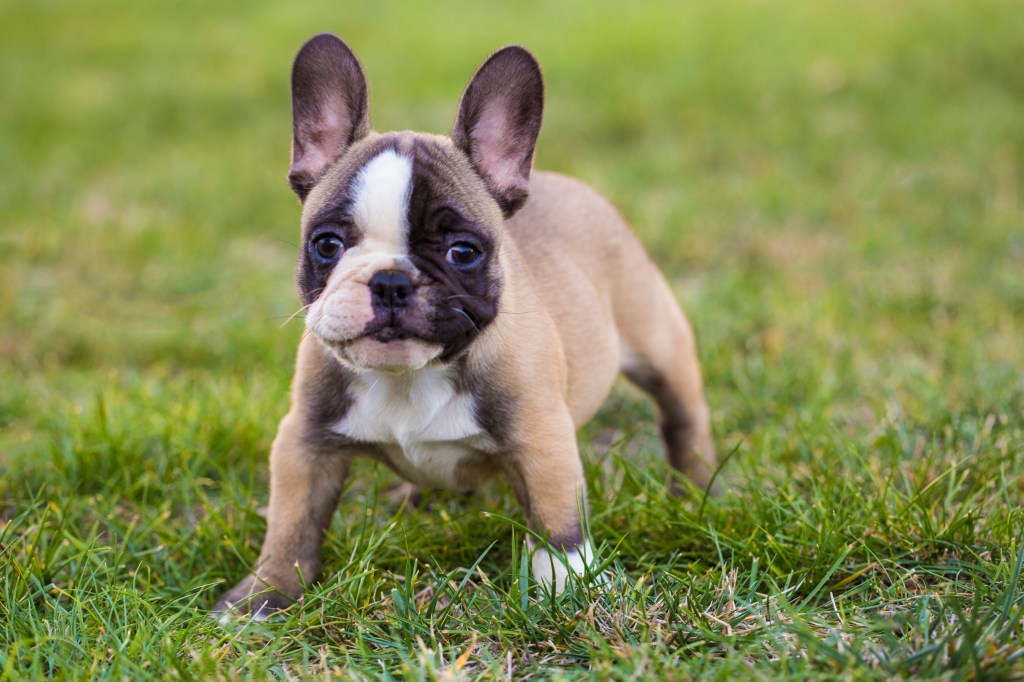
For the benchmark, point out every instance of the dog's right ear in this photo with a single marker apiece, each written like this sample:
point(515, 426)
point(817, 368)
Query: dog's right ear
point(329, 108)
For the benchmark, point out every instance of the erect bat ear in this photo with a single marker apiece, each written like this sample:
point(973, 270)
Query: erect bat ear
point(498, 123)
point(329, 108)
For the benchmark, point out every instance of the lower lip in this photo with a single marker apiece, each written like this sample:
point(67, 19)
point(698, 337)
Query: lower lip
point(389, 334)
point(368, 352)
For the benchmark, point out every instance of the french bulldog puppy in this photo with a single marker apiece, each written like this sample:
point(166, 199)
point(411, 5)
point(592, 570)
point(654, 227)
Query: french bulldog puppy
point(467, 318)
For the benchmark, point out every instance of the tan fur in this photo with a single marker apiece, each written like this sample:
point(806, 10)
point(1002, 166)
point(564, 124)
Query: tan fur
point(620, 311)
point(291, 549)
point(587, 298)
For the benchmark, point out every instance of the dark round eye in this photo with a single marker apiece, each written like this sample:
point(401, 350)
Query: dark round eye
point(463, 255)
point(328, 247)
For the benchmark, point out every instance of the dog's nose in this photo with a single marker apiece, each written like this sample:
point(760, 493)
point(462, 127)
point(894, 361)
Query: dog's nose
point(391, 289)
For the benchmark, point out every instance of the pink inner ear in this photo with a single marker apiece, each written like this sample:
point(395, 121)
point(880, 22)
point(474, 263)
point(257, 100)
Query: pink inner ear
point(496, 150)
point(322, 142)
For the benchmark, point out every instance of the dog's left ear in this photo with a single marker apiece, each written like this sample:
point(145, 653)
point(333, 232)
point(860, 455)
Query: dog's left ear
point(498, 123)
point(329, 108)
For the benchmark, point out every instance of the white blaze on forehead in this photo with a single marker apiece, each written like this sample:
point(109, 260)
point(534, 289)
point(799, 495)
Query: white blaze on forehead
point(381, 202)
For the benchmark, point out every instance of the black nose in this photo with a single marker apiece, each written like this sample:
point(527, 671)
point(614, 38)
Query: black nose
point(391, 289)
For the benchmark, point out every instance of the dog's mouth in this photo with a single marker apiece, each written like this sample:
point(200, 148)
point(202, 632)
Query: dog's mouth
point(388, 330)
point(387, 348)
point(390, 334)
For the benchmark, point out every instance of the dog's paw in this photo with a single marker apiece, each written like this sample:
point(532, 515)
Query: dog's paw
point(554, 568)
point(252, 599)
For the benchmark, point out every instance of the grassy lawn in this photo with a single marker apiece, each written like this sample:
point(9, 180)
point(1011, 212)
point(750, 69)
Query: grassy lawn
point(836, 191)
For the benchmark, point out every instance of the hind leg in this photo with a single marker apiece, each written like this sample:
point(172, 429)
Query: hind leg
point(660, 357)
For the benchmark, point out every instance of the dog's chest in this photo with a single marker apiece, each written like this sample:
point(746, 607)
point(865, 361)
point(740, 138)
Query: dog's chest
point(423, 424)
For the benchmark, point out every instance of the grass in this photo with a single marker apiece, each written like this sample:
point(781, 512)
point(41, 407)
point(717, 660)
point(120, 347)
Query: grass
point(835, 190)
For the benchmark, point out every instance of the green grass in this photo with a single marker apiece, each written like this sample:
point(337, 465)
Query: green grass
point(836, 191)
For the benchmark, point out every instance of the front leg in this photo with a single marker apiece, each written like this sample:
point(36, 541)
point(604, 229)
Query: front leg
point(304, 489)
point(547, 476)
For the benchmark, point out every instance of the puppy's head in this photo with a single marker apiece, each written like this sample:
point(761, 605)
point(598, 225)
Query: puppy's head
point(401, 231)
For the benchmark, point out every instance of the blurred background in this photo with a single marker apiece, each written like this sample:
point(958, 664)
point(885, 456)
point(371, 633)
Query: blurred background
point(834, 190)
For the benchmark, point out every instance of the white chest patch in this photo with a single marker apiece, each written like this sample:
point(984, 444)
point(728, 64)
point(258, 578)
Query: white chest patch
point(423, 424)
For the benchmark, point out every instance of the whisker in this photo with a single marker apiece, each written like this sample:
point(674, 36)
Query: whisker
point(466, 315)
point(285, 241)
point(503, 312)
point(292, 316)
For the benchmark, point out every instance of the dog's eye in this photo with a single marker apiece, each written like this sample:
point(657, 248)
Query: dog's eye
point(328, 247)
point(463, 255)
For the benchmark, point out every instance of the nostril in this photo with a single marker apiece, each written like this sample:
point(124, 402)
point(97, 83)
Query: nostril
point(391, 289)
point(401, 291)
